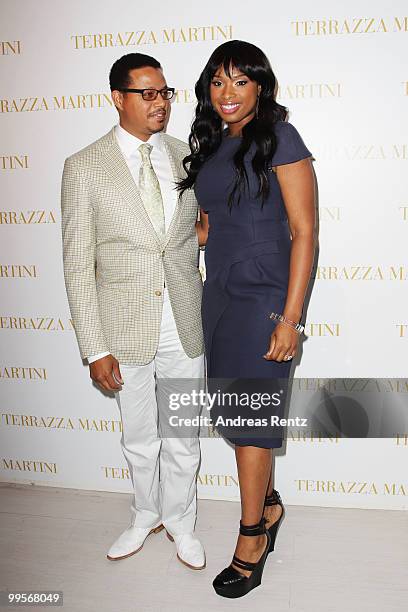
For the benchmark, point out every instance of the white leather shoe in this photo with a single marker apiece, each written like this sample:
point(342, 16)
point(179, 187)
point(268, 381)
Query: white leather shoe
point(190, 551)
point(130, 542)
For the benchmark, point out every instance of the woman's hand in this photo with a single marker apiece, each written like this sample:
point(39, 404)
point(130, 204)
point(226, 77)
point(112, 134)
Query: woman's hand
point(202, 227)
point(284, 343)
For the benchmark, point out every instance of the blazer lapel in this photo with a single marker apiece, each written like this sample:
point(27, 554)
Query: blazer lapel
point(114, 164)
point(176, 162)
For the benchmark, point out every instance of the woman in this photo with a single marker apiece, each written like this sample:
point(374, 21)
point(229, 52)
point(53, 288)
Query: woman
point(255, 186)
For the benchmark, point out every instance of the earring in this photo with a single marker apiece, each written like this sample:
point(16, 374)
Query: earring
point(257, 107)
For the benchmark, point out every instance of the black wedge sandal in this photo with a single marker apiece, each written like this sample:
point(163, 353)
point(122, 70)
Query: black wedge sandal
point(230, 582)
point(273, 500)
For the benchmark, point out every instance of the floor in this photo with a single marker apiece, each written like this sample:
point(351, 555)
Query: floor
point(326, 559)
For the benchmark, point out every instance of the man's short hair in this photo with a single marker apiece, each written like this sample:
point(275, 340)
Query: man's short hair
point(119, 74)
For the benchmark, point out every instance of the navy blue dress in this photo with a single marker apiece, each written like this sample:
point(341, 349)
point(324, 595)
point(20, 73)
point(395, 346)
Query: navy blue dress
point(247, 267)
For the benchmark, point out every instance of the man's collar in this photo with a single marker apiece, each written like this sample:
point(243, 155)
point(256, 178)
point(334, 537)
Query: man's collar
point(129, 143)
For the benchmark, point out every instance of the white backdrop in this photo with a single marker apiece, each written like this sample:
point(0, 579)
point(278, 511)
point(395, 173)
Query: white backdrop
point(341, 73)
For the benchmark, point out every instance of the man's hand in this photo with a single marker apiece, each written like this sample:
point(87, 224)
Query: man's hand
point(104, 371)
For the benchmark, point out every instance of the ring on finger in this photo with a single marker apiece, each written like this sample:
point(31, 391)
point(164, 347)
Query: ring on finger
point(288, 357)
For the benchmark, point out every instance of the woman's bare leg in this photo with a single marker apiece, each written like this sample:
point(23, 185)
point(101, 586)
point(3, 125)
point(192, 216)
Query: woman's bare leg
point(271, 513)
point(254, 470)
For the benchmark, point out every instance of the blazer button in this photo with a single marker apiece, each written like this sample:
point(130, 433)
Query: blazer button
point(158, 293)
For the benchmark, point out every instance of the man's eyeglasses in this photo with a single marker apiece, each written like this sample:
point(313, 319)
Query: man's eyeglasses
point(151, 94)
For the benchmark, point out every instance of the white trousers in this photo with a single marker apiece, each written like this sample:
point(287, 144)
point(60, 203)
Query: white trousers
point(163, 470)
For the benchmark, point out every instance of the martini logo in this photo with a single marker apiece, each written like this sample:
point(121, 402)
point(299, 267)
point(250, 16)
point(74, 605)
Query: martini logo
point(56, 103)
point(8, 47)
point(13, 162)
point(18, 271)
point(402, 330)
point(361, 273)
point(309, 91)
point(322, 329)
point(352, 25)
point(22, 373)
point(217, 480)
point(35, 323)
point(138, 38)
point(29, 465)
point(351, 487)
point(27, 217)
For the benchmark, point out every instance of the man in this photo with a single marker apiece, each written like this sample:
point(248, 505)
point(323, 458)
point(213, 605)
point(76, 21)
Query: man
point(134, 289)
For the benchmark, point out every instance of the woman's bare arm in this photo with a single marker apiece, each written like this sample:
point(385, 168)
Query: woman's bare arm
point(297, 185)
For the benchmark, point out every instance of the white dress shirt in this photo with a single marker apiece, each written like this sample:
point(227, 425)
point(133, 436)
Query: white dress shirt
point(129, 144)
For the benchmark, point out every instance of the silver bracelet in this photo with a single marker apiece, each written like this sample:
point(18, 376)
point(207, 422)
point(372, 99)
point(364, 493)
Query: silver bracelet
point(279, 317)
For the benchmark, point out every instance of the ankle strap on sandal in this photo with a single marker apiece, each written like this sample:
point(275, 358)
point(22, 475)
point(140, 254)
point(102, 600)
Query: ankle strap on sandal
point(245, 565)
point(272, 500)
point(253, 530)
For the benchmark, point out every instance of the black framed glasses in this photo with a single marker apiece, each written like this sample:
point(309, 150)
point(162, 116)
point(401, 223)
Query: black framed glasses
point(151, 94)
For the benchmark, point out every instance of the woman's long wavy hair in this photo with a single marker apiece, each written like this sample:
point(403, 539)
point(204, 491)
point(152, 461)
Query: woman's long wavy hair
point(207, 127)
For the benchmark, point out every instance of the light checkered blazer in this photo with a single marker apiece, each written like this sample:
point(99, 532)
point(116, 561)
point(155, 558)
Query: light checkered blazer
point(115, 265)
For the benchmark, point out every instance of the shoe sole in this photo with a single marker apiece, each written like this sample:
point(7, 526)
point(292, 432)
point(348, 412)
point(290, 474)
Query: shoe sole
point(155, 530)
point(222, 593)
point(193, 567)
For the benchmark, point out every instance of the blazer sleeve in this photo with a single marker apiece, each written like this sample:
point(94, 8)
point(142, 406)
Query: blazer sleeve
point(290, 146)
point(79, 249)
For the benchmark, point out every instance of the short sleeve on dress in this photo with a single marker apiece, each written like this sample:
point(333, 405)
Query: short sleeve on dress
point(290, 146)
